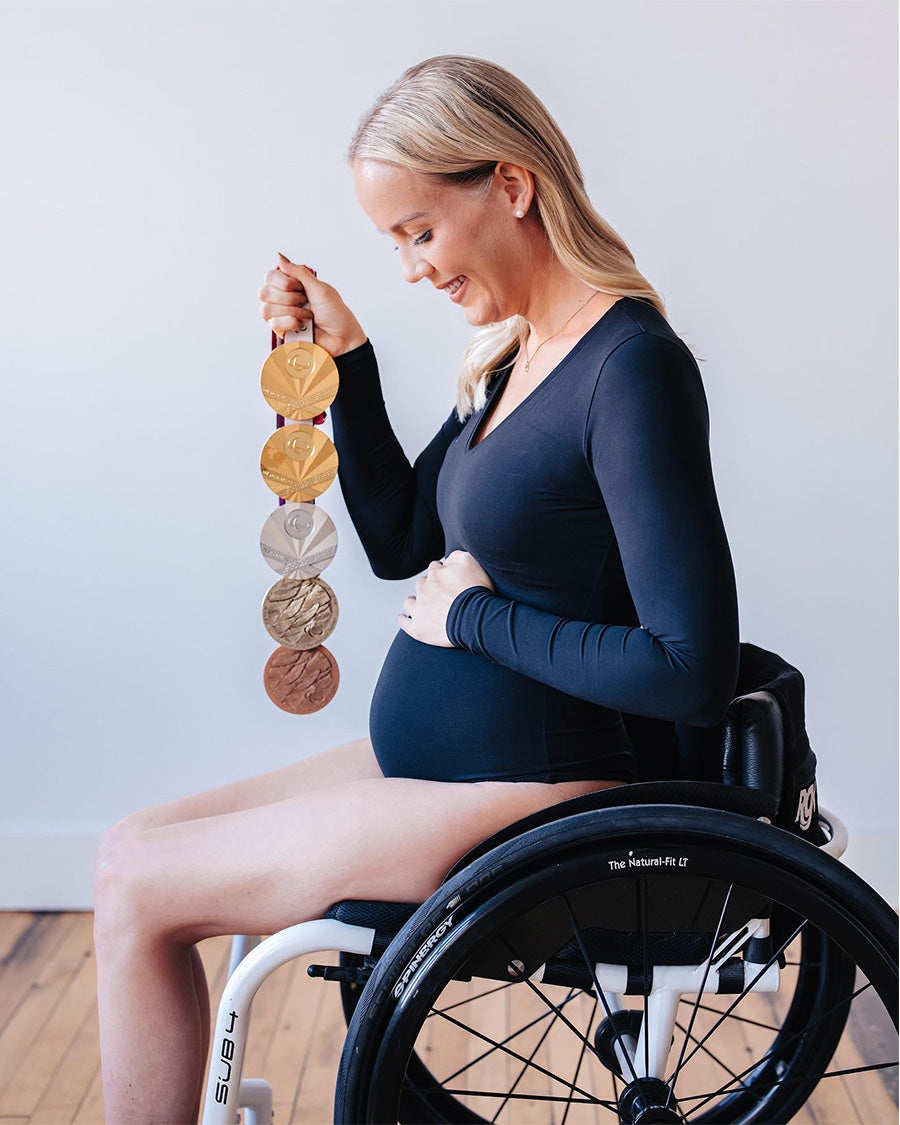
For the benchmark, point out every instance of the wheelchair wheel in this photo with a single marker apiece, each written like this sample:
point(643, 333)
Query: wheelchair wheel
point(655, 889)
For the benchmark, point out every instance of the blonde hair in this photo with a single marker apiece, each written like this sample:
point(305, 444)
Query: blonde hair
point(456, 117)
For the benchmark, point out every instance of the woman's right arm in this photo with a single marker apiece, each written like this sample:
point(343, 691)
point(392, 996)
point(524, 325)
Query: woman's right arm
point(392, 503)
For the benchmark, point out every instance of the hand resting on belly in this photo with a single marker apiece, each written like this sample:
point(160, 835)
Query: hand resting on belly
point(424, 615)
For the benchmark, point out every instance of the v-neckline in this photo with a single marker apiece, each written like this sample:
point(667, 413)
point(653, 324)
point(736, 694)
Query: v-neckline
point(489, 408)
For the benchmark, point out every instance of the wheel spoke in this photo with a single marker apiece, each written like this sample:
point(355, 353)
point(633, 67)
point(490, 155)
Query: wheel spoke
point(741, 1019)
point(712, 950)
point(537, 1047)
point(534, 988)
point(580, 1061)
point(469, 999)
point(530, 1097)
point(490, 1050)
point(775, 1082)
point(521, 1058)
point(600, 993)
point(746, 991)
point(708, 1052)
point(792, 1039)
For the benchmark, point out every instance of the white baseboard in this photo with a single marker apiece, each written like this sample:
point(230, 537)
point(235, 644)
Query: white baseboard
point(54, 870)
point(47, 870)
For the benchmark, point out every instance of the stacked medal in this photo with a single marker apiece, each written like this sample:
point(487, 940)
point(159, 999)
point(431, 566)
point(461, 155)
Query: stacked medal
point(299, 380)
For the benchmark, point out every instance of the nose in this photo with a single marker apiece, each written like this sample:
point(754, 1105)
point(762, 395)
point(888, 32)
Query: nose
point(414, 268)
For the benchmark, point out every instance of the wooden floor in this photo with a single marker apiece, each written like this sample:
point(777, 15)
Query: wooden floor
point(49, 1052)
point(49, 1047)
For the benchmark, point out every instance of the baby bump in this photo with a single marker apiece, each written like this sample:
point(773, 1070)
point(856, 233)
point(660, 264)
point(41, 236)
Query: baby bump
point(445, 714)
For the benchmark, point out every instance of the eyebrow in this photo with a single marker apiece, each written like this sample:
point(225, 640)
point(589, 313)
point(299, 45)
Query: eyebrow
point(408, 219)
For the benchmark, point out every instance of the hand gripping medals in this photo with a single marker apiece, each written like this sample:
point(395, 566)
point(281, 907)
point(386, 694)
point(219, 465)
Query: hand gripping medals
point(298, 462)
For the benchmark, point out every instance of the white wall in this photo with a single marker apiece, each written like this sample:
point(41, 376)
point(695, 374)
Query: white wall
point(156, 158)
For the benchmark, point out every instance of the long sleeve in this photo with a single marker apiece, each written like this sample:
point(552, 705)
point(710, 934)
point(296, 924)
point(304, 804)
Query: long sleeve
point(646, 441)
point(391, 503)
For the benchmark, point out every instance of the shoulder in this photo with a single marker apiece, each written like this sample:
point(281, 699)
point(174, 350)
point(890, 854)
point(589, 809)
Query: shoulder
point(644, 362)
point(648, 350)
point(647, 387)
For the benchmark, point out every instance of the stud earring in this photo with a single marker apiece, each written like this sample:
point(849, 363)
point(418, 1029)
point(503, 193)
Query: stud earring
point(519, 214)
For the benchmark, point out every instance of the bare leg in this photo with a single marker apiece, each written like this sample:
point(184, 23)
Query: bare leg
point(258, 871)
point(349, 761)
point(165, 1023)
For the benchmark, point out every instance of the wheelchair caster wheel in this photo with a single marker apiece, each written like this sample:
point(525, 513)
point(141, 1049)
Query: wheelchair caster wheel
point(611, 1031)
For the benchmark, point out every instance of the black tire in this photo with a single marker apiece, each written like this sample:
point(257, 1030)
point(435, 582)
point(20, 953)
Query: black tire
point(846, 927)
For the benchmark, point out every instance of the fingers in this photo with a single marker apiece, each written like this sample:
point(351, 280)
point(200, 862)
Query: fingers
point(276, 281)
point(284, 317)
point(298, 272)
point(282, 324)
point(284, 303)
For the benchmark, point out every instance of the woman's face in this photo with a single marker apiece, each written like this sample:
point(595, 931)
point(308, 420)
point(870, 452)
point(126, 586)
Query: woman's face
point(455, 232)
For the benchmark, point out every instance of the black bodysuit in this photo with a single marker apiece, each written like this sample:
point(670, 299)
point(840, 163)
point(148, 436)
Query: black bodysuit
point(593, 509)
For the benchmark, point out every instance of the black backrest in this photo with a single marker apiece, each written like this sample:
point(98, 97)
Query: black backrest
point(753, 744)
point(760, 744)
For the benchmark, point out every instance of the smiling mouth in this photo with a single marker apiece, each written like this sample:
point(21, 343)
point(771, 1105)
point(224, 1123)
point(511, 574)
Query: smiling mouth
point(456, 285)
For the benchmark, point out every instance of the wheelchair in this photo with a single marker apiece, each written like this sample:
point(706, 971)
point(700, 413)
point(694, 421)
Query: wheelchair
point(688, 947)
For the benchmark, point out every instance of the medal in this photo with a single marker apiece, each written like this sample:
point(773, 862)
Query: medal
point(300, 612)
point(301, 682)
point(299, 379)
point(298, 462)
point(298, 540)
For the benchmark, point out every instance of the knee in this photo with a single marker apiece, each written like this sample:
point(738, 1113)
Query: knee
point(115, 874)
point(112, 839)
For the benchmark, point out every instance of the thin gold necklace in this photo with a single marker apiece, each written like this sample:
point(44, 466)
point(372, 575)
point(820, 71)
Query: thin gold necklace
point(541, 344)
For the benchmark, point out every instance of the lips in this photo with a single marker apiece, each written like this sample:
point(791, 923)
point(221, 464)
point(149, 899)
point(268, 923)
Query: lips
point(450, 282)
point(457, 295)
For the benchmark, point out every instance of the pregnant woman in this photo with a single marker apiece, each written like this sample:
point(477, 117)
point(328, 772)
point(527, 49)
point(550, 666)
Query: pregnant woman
point(573, 568)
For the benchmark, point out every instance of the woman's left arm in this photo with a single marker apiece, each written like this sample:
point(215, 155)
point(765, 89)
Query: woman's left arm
point(646, 439)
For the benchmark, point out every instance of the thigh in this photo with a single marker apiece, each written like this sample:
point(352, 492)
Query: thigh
point(351, 761)
point(262, 869)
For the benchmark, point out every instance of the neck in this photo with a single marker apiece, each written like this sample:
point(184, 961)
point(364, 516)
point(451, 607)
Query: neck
point(559, 295)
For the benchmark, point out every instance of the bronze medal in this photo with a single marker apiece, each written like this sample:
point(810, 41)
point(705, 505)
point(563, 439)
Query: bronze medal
point(298, 462)
point(301, 681)
point(298, 540)
point(299, 379)
point(300, 612)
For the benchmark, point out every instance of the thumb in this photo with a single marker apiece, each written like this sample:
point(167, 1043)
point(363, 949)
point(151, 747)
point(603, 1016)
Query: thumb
point(295, 269)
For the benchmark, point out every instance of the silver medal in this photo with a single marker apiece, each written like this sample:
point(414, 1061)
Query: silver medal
point(298, 540)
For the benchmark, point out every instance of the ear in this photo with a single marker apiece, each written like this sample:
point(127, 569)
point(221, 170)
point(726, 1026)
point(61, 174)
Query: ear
point(518, 183)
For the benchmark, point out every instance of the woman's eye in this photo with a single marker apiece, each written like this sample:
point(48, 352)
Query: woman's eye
point(420, 239)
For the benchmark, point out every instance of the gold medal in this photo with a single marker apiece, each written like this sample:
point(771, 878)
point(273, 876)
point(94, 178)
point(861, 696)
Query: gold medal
point(299, 379)
point(301, 682)
point(298, 462)
point(300, 612)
